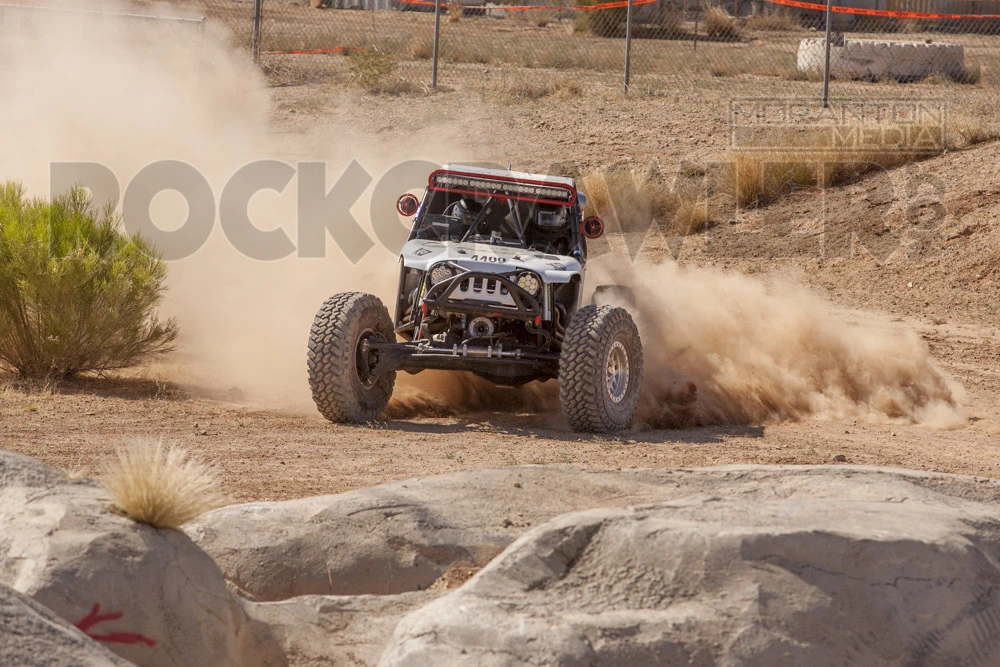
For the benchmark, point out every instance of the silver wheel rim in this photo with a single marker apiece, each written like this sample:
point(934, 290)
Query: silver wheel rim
point(617, 375)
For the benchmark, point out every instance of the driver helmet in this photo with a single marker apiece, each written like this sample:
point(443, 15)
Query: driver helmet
point(466, 211)
point(550, 217)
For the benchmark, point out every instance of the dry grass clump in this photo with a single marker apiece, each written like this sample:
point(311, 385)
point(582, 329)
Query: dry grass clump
point(520, 88)
point(161, 486)
point(807, 159)
point(691, 216)
point(969, 131)
point(422, 46)
point(635, 204)
point(971, 74)
point(773, 20)
point(718, 23)
point(601, 22)
point(375, 71)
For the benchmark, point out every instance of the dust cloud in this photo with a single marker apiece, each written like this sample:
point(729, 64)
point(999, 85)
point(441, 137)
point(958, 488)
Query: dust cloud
point(720, 348)
point(125, 94)
point(726, 348)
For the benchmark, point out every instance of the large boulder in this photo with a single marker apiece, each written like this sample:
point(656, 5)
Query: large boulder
point(336, 630)
point(150, 595)
point(720, 579)
point(31, 634)
point(402, 536)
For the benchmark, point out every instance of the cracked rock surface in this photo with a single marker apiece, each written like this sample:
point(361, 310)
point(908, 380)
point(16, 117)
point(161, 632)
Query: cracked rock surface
point(402, 536)
point(30, 634)
point(868, 568)
point(149, 595)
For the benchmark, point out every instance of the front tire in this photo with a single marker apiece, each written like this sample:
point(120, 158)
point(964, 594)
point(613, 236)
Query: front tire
point(600, 370)
point(342, 387)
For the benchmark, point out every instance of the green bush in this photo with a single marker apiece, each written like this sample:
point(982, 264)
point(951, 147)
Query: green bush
point(76, 293)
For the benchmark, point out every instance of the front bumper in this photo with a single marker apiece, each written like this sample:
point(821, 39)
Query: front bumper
point(519, 305)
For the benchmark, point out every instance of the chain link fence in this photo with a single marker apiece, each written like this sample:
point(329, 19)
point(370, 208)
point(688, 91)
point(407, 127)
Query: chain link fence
point(877, 47)
point(719, 50)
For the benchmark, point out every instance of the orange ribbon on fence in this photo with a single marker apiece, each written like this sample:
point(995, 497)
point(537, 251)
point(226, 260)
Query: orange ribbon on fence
point(617, 4)
point(879, 12)
point(302, 52)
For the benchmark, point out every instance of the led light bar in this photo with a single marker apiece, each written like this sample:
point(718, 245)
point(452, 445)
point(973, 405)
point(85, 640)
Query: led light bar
point(450, 181)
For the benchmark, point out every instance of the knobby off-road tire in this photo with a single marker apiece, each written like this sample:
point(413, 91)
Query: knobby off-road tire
point(338, 370)
point(600, 369)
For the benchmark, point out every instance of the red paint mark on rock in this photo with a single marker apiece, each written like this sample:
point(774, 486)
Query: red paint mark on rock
point(95, 616)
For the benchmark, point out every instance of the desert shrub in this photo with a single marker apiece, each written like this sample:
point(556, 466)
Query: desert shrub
point(161, 486)
point(718, 23)
point(375, 71)
point(600, 22)
point(422, 46)
point(970, 74)
point(76, 293)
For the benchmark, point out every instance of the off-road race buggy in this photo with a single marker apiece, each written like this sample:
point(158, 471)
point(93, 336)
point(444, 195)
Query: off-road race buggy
point(491, 281)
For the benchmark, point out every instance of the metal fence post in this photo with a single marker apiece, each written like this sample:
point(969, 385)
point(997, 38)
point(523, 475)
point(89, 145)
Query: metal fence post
point(826, 63)
point(255, 30)
point(628, 44)
point(437, 39)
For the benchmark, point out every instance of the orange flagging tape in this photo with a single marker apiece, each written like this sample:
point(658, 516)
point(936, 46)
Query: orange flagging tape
point(617, 4)
point(880, 12)
point(300, 52)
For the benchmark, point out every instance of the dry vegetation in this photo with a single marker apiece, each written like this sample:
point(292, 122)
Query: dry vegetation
point(802, 159)
point(513, 87)
point(161, 486)
point(718, 23)
point(772, 20)
point(376, 72)
point(634, 203)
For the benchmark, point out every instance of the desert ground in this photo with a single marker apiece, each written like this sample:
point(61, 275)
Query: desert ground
point(814, 360)
point(942, 285)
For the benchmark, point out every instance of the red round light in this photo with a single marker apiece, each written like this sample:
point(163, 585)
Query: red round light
point(407, 205)
point(592, 227)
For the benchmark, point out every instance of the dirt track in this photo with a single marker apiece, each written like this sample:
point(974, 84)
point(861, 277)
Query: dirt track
point(277, 455)
point(272, 455)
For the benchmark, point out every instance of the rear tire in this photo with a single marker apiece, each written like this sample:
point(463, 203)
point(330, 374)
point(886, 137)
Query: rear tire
point(600, 370)
point(338, 368)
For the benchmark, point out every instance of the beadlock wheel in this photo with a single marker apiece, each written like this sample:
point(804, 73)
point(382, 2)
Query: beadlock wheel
point(600, 369)
point(340, 360)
